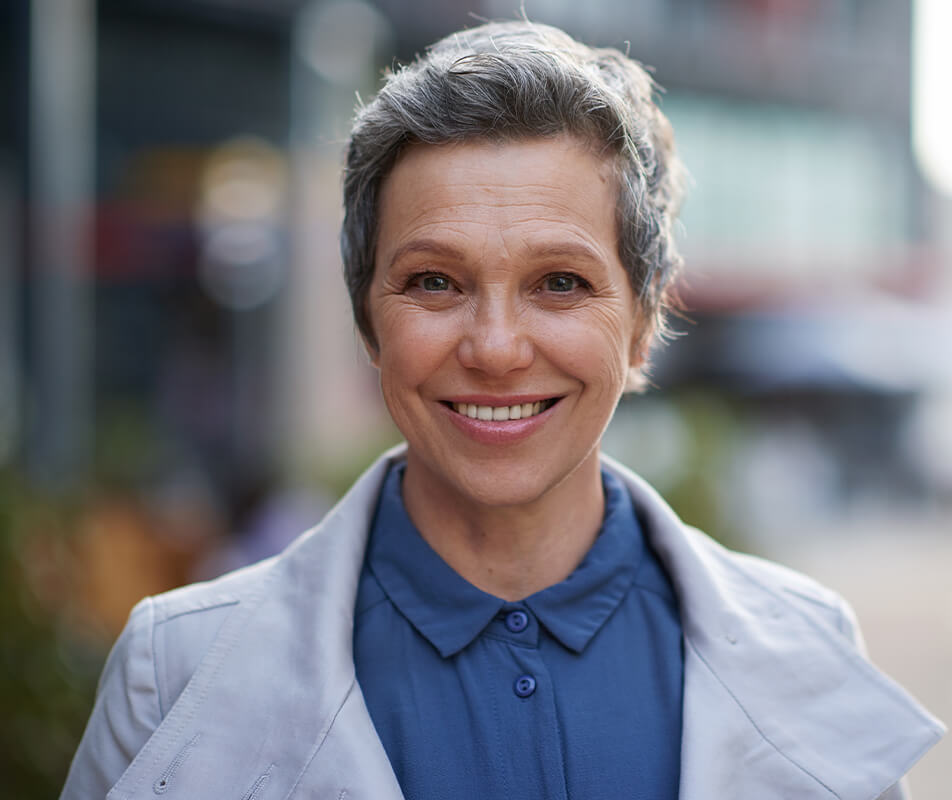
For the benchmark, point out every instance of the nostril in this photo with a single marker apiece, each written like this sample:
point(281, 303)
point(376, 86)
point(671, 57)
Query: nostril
point(495, 351)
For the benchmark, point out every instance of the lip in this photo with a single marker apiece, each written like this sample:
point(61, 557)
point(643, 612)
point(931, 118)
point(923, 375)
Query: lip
point(499, 432)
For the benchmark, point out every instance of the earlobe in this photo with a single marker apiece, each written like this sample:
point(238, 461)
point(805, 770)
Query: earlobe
point(638, 359)
point(640, 348)
point(634, 381)
point(373, 353)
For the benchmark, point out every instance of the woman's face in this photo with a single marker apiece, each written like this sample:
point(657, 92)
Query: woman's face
point(505, 322)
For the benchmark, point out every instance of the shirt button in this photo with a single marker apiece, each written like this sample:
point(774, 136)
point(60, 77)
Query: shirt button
point(517, 621)
point(524, 685)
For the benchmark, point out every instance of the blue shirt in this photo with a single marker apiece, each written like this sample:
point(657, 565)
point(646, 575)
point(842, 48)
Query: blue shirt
point(574, 692)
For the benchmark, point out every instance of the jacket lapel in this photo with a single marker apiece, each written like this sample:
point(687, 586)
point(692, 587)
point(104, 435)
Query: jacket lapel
point(777, 702)
point(274, 709)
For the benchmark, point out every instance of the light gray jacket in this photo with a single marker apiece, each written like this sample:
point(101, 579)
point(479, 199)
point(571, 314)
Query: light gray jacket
point(243, 688)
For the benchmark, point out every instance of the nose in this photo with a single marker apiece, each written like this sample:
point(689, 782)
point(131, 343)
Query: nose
point(495, 339)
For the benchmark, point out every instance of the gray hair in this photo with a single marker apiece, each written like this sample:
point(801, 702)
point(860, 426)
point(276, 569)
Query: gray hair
point(518, 80)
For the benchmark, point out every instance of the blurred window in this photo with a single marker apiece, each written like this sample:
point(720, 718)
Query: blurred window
point(775, 184)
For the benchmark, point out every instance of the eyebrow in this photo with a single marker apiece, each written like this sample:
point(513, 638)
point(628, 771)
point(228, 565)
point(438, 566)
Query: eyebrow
point(568, 249)
point(427, 247)
point(434, 247)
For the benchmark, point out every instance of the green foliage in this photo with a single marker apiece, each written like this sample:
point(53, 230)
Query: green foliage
point(47, 674)
point(698, 498)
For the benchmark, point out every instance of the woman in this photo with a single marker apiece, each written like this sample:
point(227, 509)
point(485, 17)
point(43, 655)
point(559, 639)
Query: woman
point(494, 609)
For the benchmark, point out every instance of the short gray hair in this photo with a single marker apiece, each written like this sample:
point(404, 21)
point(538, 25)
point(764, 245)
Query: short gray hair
point(518, 80)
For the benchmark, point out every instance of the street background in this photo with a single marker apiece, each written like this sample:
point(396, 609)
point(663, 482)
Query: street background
point(182, 390)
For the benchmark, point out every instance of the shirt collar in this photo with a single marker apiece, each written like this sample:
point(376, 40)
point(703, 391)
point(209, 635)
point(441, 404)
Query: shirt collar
point(574, 610)
point(450, 612)
point(442, 605)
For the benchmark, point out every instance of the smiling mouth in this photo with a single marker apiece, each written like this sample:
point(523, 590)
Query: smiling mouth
point(503, 413)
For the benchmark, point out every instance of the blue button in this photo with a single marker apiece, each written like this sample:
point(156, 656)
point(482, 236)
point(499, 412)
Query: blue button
point(524, 685)
point(517, 621)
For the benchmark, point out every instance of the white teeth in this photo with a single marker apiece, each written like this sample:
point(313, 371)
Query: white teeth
point(499, 413)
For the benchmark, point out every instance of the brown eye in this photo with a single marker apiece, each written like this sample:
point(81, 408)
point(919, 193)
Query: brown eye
point(434, 283)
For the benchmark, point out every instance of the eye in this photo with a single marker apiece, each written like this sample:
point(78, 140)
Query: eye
point(563, 283)
point(431, 282)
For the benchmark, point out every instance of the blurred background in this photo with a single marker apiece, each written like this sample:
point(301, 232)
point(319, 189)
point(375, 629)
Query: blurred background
point(182, 391)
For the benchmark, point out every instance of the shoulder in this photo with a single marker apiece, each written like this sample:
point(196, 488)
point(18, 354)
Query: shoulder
point(173, 639)
point(178, 627)
point(715, 583)
point(149, 666)
point(198, 598)
point(800, 590)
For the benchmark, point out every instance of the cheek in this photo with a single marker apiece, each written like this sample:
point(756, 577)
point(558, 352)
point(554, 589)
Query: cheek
point(412, 344)
point(595, 348)
point(398, 319)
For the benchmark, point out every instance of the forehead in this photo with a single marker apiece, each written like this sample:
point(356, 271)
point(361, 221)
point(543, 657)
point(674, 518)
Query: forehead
point(526, 192)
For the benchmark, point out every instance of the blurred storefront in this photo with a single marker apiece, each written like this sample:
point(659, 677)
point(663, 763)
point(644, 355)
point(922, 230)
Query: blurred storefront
point(190, 295)
point(181, 388)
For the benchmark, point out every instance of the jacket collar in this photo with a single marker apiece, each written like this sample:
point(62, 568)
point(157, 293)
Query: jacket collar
point(796, 707)
point(776, 702)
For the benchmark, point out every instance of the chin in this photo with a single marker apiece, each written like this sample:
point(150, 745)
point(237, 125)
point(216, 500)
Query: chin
point(500, 493)
point(505, 485)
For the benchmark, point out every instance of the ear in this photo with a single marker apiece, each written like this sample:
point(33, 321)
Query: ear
point(640, 346)
point(372, 351)
point(639, 351)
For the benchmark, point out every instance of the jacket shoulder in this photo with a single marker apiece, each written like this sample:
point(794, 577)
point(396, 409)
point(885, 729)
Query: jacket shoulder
point(149, 666)
point(807, 594)
point(185, 622)
point(196, 598)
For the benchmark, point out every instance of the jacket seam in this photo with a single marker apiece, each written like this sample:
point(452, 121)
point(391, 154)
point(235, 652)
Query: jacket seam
point(164, 782)
point(753, 723)
point(321, 738)
point(210, 607)
point(161, 669)
point(816, 601)
point(155, 667)
point(258, 786)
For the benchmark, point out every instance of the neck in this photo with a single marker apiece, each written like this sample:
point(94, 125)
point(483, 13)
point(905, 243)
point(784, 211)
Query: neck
point(509, 551)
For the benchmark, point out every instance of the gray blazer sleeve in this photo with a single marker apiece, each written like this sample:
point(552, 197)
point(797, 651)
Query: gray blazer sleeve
point(125, 714)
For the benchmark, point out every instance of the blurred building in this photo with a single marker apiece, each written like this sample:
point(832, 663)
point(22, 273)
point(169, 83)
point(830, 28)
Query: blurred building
point(169, 180)
point(176, 347)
